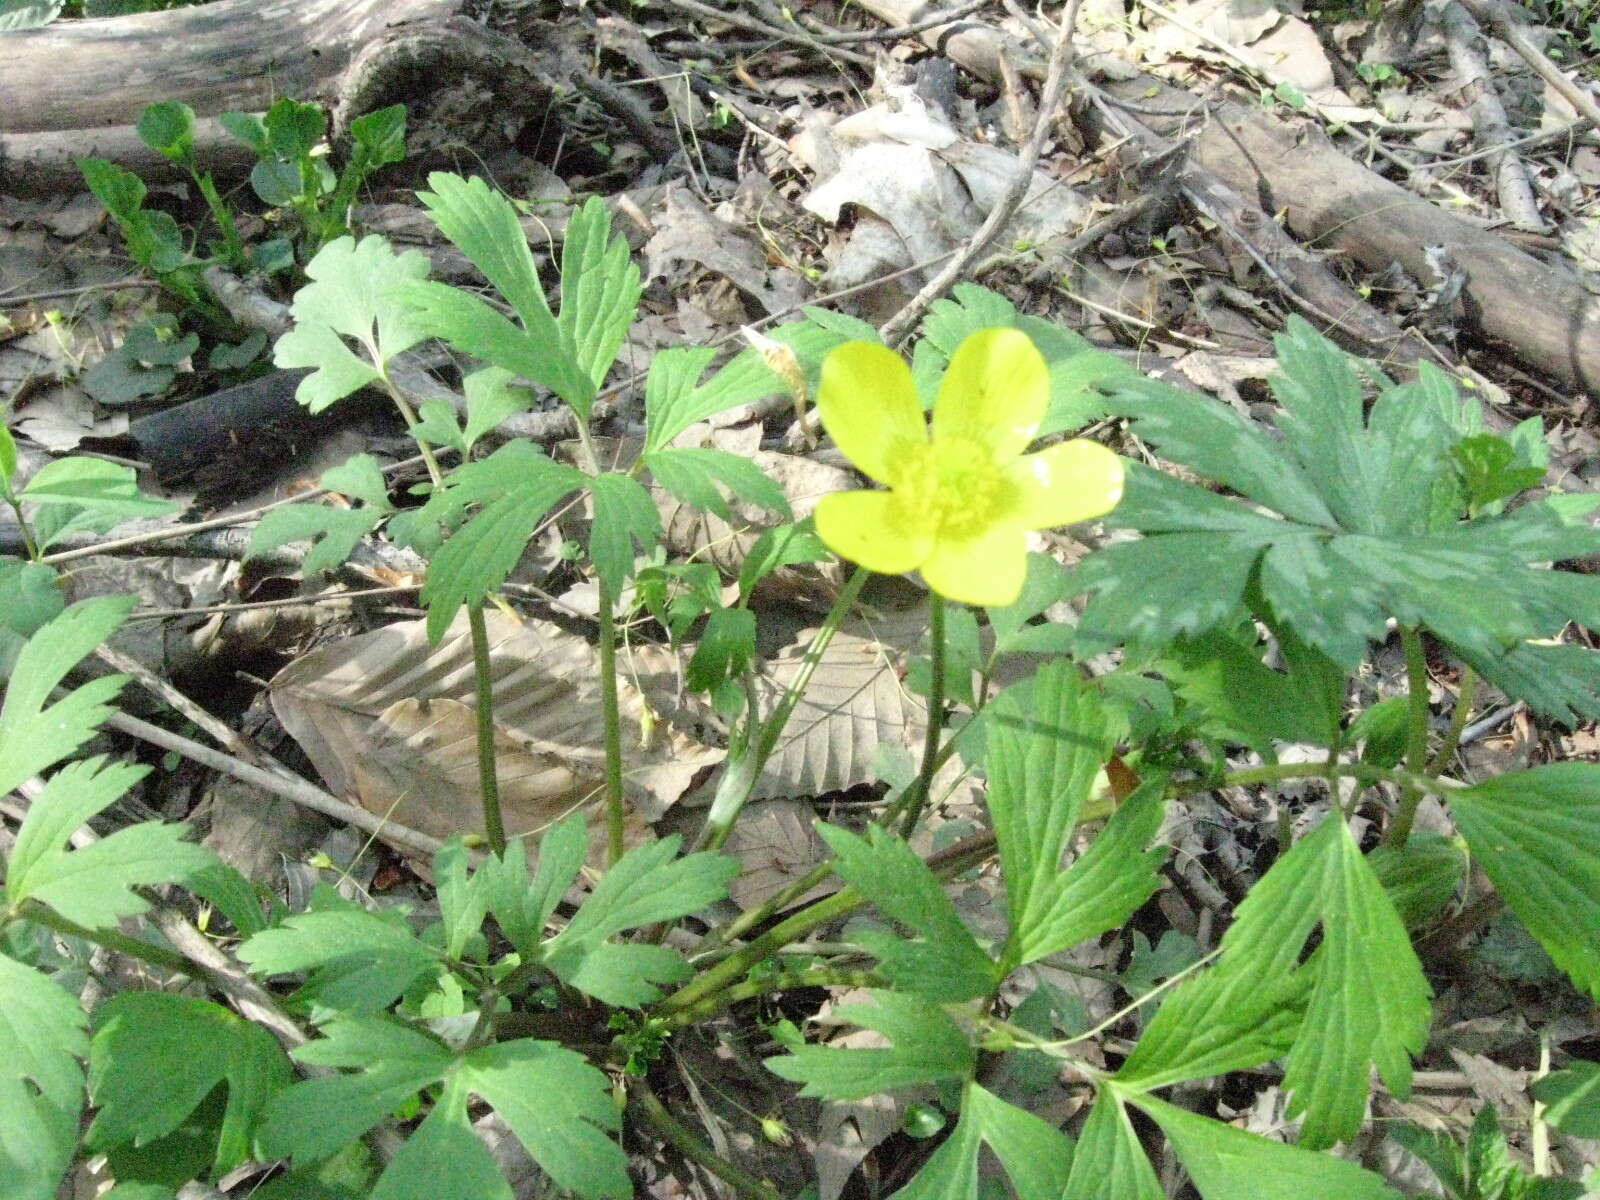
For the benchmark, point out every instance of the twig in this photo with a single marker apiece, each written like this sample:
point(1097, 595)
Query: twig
point(799, 36)
point(898, 326)
point(287, 785)
point(1494, 13)
point(841, 38)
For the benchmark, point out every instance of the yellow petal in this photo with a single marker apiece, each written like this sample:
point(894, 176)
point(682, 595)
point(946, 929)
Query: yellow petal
point(869, 406)
point(995, 392)
point(1072, 481)
point(864, 528)
point(987, 569)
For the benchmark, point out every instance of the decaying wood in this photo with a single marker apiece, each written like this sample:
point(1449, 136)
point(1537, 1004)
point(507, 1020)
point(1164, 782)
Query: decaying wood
point(230, 56)
point(40, 164)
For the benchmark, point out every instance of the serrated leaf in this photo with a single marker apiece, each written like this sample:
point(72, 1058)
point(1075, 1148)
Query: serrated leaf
point(357, 962)
point(1245, 700)
point(943, 963)
point(523, 909)
point(33, 737)
point(691, 474)
point(42, 1037)
point(1047, 743)
point(675, 398)
point(927, 1047)
point(156, 1056)
point(315, 1118)
point(600, 289)
point(333, 532)
point(1226, 1163)
point(234, 896)
point(1109, 1162)
point(349, 298)
point(484, 226)
point(463, 902)
point(559, 1107)
point(1439, 1151)
point(1535, 834)
point(779, 546)
point(94, 885)
point(8, 457)
point(1420, 877)
point(75, 494)
point(623, 974)
point(1572, 1099)
point(490, 401)
point(444, 1157)
point(478, 557)
point(648, 884)
point(624, 515)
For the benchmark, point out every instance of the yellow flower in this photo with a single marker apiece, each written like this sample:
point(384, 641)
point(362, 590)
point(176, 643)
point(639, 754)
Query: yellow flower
point(960, 503)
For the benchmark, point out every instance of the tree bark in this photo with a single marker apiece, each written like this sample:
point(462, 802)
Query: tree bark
point(232, 55)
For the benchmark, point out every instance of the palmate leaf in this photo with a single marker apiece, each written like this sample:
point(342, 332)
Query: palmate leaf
point(1368, 1001)
point(692, 475)
point(1047, 742)
point(600, 287)
point(73, 494)
point(1109, 1162)
point(42, 1038)
point(1353, 534)
point(1537, 835)
point(943, 963)
point(349, 297)
point(648, 884)
point(1226, 1163)
point(624, 515)
point(156, 1056)
point(927, 1047)
point(444, 1157)
point(1036, 1155)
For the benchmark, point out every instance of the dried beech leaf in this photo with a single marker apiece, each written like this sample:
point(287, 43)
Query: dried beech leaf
point(387, 718)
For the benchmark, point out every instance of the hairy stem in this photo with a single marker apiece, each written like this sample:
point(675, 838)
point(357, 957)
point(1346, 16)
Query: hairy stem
point(1465, 694)
point(111, 939)
point(678, 1135)
point(613, 721)
point(1416, 736)
point(922, 789)
point(784, 981)
point(483, 710)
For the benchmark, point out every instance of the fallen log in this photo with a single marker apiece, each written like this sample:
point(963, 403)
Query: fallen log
point(229, 56)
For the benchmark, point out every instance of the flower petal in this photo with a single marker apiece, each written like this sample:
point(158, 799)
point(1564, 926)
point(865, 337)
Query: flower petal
point(864, 527)
point(995, 392)
point(988, 569)
point(1069, 482)
point(869, 406)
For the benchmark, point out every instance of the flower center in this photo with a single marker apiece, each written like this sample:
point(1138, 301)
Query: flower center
point(949, 486)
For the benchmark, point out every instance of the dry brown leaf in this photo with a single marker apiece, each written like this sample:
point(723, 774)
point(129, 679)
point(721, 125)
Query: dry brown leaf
point(387, 718)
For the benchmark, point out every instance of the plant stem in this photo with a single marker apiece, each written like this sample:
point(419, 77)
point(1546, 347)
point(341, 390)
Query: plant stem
point(923, 787)
point(784, 981)
point(233, 245)
point(613, 721)
point(483, 710)
point(739, 780)
point(678, 1135)
point(1416, 736)
point(1465, 694)
point(111, 939)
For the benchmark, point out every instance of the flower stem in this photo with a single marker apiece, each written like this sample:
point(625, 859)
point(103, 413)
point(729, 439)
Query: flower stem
point(1416, 736)
point(784, 981)
point(483, 710)
point(739, 779)
point(613, 721)
point(923, 787)
point(1465, 694)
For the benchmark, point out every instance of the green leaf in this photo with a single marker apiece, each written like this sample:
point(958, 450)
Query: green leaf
point(779, 546)
point(168, 128)
point(463, 902)
point(1369, 1002)
point(624, 515)
point(1048, 741)
point(28, 14)
point(30, 597)
point(485, 227)
point(600, 290)
point(675, 399)
point(1226, 1163)
point(1384, 729)
point(524, 485)
point(943, 963)
point(691, 475)
point(91, 494)
point(33, 737)
point(381, 134)
point(349, 300)
point(648, 884)
point(1045, 584)
point(294, 127)
point(559, 1107)
point(1490, 1169)
point(1438, 1150)
point(42, 1037)
point(1572, 1099)
point(1490, 471)
point(93, 885)
point(490, 400)
point(523, 909)
point(8, 457)
point(156, 1056)
point(726, 649)
point(1421, 877)
point(154, 240)
point(444, 1157)
point(248, 128)
point(357, 962)
point(1247, 701)
point(927, 1047)
point(1109, 1162)
point(317, 1117)
point(333, 532)
point(622, 974)
point(1535, 834)
point(234, 896)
